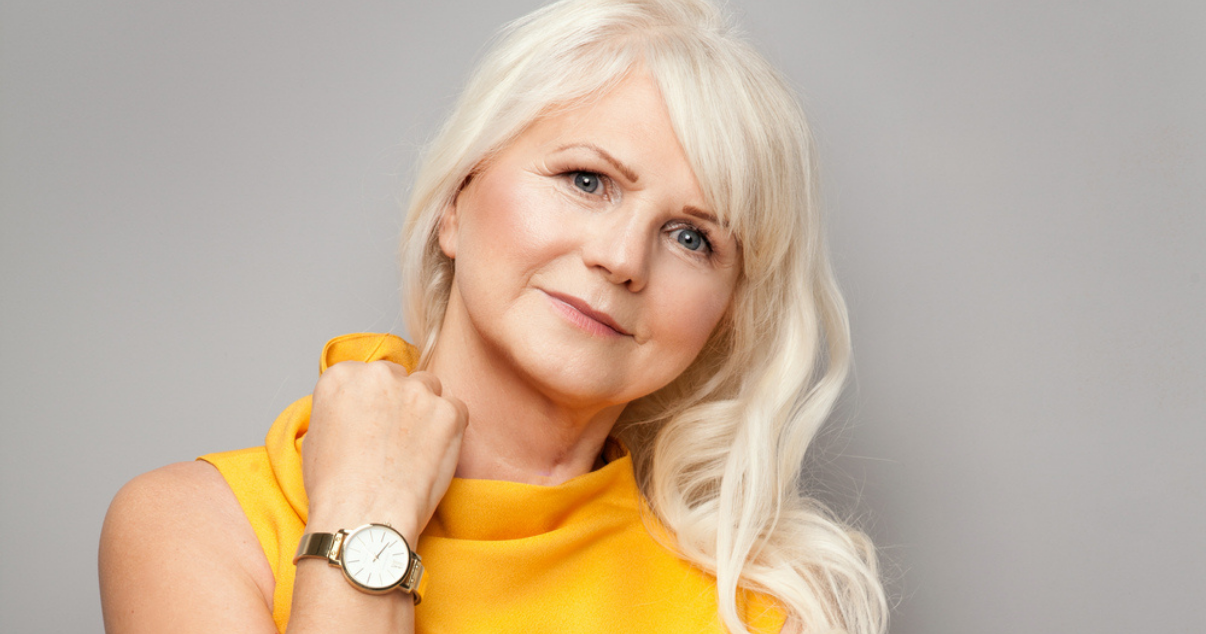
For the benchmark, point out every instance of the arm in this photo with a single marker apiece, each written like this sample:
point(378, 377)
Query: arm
point(177, 553)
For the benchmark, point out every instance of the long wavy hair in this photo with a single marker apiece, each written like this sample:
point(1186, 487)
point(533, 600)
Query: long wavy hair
point(718, 453)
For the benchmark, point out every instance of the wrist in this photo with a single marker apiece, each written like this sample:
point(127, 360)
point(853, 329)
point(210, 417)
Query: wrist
point(374, 558)
point(330, 518)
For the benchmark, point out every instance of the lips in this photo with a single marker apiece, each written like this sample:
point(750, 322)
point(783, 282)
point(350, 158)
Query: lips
point(586, 310)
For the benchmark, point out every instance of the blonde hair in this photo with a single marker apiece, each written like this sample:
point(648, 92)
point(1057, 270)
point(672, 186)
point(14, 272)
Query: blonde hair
point(719, 451)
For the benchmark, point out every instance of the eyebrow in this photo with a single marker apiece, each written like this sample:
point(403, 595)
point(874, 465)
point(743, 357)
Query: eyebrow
point(690, 210)
point(704, 215)
point(606, 156)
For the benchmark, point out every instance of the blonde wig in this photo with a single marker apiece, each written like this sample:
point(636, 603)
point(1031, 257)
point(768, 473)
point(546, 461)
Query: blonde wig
point(719, 451)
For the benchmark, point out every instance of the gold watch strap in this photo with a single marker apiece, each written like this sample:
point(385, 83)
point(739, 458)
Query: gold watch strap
point(415, 582)
point(322, 545)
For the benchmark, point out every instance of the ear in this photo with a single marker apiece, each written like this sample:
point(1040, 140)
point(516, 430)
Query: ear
point(449, 230)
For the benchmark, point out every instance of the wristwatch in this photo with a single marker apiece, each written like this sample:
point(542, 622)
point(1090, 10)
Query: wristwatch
point(374, 558)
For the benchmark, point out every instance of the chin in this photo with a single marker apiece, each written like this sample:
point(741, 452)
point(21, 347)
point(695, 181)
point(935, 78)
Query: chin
point(579, 378)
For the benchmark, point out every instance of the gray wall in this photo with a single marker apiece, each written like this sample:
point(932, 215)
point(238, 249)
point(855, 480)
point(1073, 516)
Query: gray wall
point(195, 196)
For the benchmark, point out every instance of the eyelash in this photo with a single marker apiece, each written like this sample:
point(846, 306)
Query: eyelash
point(707, 250)
point(677, 225)
point(603, 181)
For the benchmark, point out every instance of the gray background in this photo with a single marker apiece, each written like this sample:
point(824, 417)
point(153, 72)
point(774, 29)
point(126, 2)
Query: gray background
point(197, 195)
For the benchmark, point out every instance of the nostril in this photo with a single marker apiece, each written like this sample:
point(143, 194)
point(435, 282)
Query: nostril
point(620, 245)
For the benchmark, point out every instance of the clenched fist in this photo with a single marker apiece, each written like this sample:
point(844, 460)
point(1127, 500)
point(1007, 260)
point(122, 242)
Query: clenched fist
point(382, 447)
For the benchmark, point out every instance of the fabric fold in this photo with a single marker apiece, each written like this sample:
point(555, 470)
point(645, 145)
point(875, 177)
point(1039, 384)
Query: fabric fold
point(500, 556)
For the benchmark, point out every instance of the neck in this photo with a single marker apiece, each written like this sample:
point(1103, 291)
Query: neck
point(516, 432)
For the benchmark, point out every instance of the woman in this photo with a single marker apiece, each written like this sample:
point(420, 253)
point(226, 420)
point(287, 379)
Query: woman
point(627, 336)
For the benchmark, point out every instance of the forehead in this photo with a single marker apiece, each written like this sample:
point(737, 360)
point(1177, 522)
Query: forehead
point(632, 110)
point(629, 123)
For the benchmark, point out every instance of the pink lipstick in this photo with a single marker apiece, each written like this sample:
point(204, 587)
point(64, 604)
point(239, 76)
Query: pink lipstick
point(581, 314)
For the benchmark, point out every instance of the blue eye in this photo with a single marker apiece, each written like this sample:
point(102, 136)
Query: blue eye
point(587, 182)
point(691, 238)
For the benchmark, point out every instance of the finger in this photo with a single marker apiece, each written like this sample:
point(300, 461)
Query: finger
point(430, 380)
point(462, 410)
point(396, 369)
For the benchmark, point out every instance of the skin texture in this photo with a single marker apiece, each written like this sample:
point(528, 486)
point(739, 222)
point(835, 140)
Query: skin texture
point(525, 231)
point(583, 281)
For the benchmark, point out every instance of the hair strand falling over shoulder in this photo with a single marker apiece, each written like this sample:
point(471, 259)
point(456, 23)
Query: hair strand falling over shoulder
point(719, 451)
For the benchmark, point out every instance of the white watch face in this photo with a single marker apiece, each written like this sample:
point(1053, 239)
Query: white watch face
point(375, 557)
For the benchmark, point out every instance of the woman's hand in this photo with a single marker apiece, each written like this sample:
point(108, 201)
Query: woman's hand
point(382, 447)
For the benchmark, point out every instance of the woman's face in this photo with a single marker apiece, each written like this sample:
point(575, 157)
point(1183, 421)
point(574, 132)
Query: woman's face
point(585, 256)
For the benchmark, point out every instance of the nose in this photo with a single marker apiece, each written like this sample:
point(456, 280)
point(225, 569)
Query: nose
point(619, 244)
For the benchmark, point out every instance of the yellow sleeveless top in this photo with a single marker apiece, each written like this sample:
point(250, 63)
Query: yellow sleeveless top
point(500, 556)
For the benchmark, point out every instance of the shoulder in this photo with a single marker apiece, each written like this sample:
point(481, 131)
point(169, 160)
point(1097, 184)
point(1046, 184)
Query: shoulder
point(186, 498)
point(176, 536)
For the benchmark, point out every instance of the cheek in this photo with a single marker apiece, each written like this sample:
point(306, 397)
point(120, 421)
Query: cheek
point(512, 224)
point(690, 312)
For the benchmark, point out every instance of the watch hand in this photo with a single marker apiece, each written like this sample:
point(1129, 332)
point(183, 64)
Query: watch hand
point(380, 551)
